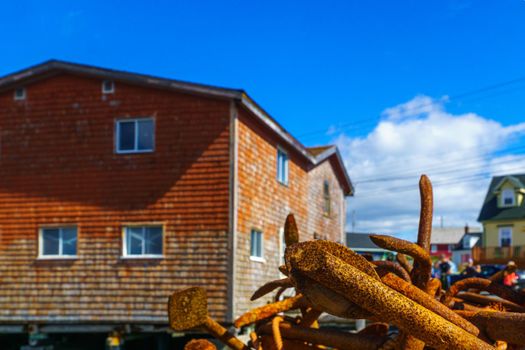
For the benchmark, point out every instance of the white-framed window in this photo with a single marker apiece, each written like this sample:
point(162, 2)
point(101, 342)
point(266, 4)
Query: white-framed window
point(20, 94)
point(433, 248)
point(143, 241)
point(327, 201)
point(58, 242)
point(256, 245)
point(282, 166)
point(507, 197)
point(108, 87)
point(135, 135)
point(505, 236)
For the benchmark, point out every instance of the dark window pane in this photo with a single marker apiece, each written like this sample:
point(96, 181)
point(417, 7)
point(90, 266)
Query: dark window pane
point(50, 241)
point(126, 136)
point(69, 241)
point(145, 135)
point(135, 240)
point(154, 240)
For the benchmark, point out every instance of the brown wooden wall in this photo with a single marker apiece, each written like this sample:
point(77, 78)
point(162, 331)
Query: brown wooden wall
point(264, 203)
point(58, 165)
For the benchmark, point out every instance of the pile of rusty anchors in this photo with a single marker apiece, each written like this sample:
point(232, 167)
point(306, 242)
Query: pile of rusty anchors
point(327, 277)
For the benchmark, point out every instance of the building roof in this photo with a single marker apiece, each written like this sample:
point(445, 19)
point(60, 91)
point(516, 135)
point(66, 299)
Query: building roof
point(56, 67)
point(318, 150)
point(361, 241)
point(451, 235)
point(490, 209)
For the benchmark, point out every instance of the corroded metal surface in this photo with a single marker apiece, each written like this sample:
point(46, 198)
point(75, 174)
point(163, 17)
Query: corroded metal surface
point(329, 338)
point(199, 344)
point(188, 308)
point(384, 302)
point(330, 278)
point(385, 267)
point(269, 310)
point(484, 284)
point(403, 261)
point(427, 301)
point(421, 275)
point(507, 326)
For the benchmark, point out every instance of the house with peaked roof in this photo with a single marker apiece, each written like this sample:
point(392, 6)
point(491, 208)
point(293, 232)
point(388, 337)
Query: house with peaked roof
point(362, 244)
point(503, 219)
point(454, 242)
point(118, 188)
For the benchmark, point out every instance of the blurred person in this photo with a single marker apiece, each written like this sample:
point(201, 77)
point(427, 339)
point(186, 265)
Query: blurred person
point(471, 270)
point(444, 271)
point(453, 266)
point(510, 277)
point(435, 269)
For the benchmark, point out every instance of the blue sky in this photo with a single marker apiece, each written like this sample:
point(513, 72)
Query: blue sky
point(327, 71)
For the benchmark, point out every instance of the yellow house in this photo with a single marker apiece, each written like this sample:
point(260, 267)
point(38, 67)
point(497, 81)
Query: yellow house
point(503, 219)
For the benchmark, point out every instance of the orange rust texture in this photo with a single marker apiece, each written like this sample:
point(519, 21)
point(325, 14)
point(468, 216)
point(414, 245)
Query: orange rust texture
point(507, 326)
point(484, 284)
point(264, 203)
point(427, 301)
point(425, 217)
point(199, 344)
point(488, 300)
point(326, 337)
point(377, 329)
point(403, 261)
point(270, 287)
point(269, 310)
point(421, 275)
point(384, 267)
point(387, 304)
point(58, 166)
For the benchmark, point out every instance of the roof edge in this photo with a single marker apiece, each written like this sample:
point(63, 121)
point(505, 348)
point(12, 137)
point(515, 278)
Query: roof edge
point(18, 77)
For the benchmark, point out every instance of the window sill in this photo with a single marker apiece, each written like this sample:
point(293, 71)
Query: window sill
point(285, 184)
point(142, 257)
point(57, 257)
point(258, 259)
point(135, 152)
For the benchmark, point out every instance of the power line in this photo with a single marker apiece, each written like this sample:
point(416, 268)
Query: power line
point(443, 170)
point(458, 96)
point(435, 184)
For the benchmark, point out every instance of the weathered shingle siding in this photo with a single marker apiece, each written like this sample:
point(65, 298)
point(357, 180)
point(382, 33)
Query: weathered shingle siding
point(264, 203)
point(58, 165)
point(325, 225)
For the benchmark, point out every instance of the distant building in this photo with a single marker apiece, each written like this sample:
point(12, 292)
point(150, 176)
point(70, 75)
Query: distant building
point(118, 188)
point(454, 242)
point(362, 244)
point(503, 219)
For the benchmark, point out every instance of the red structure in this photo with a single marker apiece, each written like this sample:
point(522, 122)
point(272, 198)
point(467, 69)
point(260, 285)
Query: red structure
point(118, 188)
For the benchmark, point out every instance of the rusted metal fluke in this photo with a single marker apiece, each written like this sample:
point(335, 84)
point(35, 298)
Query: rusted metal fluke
point(377, 298)
point(291, 233)
point(188, 308)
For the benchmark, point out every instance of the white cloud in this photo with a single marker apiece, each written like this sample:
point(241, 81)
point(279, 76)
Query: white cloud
point(458, 152)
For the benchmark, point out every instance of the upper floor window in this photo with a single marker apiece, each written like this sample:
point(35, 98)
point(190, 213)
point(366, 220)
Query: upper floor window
point(505, 236)
point(507, 197)
point(282, 166)
point(58, 242)
point(135, 135)
point(142, 241)
point(256, 245)
point(433, 248)
point(327, 207)
point(108, 87)
point(20, 94)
